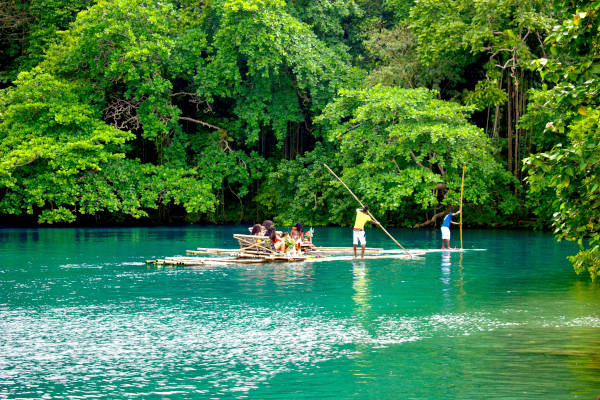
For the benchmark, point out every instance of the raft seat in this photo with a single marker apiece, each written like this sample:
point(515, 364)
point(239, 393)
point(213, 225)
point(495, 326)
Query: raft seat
point(253, 244)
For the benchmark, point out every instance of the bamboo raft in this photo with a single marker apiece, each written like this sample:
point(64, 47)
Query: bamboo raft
point(258, 249)
point(222, 261)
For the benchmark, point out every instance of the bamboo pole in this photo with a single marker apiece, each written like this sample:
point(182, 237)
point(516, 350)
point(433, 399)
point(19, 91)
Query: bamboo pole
point(462, 186)
point(368, 212)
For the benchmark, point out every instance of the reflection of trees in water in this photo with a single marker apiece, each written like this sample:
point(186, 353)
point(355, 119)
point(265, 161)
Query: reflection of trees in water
point(583, 343)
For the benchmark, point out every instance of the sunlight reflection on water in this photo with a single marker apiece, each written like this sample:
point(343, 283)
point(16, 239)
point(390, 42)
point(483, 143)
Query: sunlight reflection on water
point(227, 347)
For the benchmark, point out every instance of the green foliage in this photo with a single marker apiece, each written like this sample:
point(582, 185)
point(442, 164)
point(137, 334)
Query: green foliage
point(446, 29)
point(225, 110)
point(407, 142)
point(486, 94)
point(573, 174)
point(149, 73)
point(568, 174)
point(394, 52)
point(59, 159)
point(272, 64)
point(29, 27)
point(539, 113)
point(326, 18)
point(301, 190)
point(124, 51)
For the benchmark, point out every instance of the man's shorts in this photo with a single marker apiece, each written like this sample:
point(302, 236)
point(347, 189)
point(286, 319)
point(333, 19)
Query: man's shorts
point(360, 236)
point(445, 233)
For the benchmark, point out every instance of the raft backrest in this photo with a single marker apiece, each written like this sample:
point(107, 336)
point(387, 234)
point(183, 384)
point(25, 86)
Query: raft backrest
point(249, 242)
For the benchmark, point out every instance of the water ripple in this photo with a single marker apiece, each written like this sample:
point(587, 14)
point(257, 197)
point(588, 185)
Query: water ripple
point(234, 349)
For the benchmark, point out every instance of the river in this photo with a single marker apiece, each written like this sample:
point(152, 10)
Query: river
point(83, 316)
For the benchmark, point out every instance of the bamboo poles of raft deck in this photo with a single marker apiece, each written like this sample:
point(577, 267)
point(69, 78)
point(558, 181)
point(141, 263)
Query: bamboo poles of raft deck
point(313, 251)
point(206, 261)
point(363, 206)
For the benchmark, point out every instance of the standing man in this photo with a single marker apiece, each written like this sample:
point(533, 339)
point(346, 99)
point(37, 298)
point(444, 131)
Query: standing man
point(446, 229)
point(359, 230)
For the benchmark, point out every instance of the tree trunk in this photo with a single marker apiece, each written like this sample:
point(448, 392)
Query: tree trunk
point(497, 114)
point(517, 116)
point(509, 126)
point(523, 134)
point(430, 221)
point(487, 121)
point(297, 140)
point(495, 129)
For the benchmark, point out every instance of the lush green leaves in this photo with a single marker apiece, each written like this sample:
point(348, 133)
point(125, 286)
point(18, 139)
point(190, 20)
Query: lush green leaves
point(154, 86)
point(60, 160)
point(572, 173)
point(28, 28)
point(567, 176)
point(225, 110)
point(408, 143)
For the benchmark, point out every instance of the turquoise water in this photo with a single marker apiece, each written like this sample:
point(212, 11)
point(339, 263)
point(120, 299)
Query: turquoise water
point(82, 316)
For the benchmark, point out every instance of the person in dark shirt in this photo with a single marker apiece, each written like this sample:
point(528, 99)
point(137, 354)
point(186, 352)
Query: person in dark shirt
point(446, 229)
point(256, 230)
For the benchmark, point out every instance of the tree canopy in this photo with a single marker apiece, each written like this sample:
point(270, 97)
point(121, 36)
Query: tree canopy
point(225, 111)
point(567, 176)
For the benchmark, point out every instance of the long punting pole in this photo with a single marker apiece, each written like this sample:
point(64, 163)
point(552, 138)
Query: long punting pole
point(363, 206)
point(462, 186)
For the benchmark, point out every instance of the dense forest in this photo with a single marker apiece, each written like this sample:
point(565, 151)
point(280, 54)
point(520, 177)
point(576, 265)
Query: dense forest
point(173, 111)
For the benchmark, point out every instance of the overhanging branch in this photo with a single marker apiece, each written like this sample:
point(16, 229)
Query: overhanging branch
point(206, 124)
point(412, 155)
point(431, 221)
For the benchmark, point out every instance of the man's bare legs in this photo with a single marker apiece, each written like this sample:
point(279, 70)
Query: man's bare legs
point(362, 251)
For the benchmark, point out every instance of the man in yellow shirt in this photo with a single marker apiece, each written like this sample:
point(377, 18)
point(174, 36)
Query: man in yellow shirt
point(359, 229)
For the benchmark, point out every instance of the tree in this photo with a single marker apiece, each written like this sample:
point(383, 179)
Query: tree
point(274, 67)
point(60, 160)
point(206, 91)
point(509, 34)
point(412, 147)
point(567, 175)
point(28, 28)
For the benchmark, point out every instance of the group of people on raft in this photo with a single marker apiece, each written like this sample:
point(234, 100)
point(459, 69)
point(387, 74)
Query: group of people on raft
point(289, 243)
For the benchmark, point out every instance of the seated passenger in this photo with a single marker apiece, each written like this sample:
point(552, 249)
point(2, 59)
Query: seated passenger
point(290, 244)
point(297, 237)
point(298, 227)
point(257, 230)
point(294, 233)
point(266, 226)
point(278, 244)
